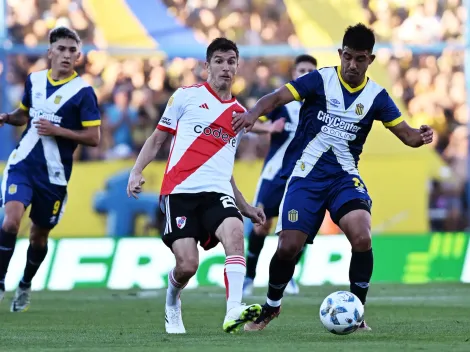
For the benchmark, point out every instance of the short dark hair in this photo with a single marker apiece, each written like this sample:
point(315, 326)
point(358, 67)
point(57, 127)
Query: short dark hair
point(63, 33)
point(220, 44)
point(305, 58)
point(359, 37)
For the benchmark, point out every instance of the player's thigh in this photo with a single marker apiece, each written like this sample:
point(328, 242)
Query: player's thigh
point(221, 221)
point(350, 208)
point(47, 206)
point(16, 196)
point(302, 208)
point(181, 219)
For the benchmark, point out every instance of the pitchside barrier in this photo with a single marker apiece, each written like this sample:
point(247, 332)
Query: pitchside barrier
point(144, 263)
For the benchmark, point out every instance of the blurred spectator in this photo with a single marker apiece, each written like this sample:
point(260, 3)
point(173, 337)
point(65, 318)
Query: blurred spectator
point(432, 87)
point(122, 119)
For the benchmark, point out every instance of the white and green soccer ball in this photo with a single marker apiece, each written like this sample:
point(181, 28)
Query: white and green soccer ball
point(341, 313)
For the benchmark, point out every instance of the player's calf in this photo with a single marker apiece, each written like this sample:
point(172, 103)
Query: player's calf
point(281, 270)
point(356, 226)
point(36, 254)
point(187, 262)
point(9, 230)
point(230, 234)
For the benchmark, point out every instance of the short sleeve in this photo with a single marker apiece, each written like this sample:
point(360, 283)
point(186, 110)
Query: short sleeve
point(26, 100)
point(307, 85)
point(388, 113)
point(173, 112)
point(89, 112)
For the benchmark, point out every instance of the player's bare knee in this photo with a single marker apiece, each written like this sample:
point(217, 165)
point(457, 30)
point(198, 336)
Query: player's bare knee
point(11, 226)
point(361, 243)
point(13, 213)
point(290, 244)
point(234, 242)
point(186, 268)
point(38, 241)
point(356, 226)
point(360, 238)
point(38, 236)
point(230, 234)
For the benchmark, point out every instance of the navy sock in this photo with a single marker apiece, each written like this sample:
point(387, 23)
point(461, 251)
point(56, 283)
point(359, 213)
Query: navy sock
point(360, 272)
point(255, 245)
point(280, 272)
point(34, 258)
point(7, 247)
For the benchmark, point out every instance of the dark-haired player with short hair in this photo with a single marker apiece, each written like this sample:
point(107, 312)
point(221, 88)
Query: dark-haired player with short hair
point(340, 105)
point(281, 123)
point(199, 197)
point(60, 110)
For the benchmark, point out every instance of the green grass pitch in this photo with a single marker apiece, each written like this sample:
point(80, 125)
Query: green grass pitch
point(403, 318)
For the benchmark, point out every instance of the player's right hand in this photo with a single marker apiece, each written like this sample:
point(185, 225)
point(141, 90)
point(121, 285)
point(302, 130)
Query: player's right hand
point(244, 121)
point(135, 183)
point(3, 119)
point(426, 134)
point(278, 125)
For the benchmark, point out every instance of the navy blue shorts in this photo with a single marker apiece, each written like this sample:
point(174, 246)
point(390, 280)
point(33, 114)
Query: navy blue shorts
point(47, 200)
point(269, 196)
point(306, 201)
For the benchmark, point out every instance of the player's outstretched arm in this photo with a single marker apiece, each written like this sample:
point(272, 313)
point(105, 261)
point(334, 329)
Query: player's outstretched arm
point(256, 215)
point(263, 106)
point(18, 117)
point(148, 153)
point(413, 137)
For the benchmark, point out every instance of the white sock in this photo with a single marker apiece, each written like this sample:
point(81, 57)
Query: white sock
point(234, 274)
point(273, 303)
point(174, 289)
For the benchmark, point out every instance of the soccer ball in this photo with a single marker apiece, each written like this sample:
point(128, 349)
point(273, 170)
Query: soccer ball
point(341, 313)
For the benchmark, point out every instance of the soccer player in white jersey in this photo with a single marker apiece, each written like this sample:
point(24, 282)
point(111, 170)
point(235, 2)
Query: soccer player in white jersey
point(281, 123)
point(199, 197)
point(340, 106)
point(61, 111)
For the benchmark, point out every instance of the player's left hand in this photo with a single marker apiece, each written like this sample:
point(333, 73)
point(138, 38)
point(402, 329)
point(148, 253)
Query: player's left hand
point(426, 134)
point(244, 121)
point(256, 215)
point(46, 128)
point(134, 184)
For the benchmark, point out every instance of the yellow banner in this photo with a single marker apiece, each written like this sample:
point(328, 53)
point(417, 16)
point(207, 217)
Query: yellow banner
point(98, 205)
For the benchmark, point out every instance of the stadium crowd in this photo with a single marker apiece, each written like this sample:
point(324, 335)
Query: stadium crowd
point(132, 92)
point(432, 85)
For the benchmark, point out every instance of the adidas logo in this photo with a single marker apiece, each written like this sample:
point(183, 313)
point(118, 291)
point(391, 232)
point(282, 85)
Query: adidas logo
point(204, 106)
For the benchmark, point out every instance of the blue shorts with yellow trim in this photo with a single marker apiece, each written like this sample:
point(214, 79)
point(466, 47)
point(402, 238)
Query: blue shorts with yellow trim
point(47, 200)
point(306, 200)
